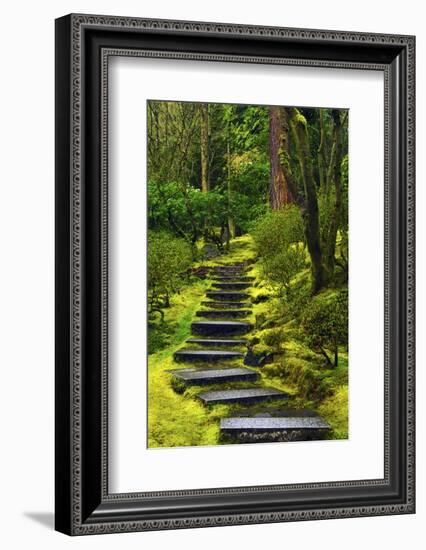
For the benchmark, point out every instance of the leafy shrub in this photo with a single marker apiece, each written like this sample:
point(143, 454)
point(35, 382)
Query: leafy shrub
point(299, 300)
point(189, 213)
point(186, 211)
point(168, 261)
point(278, 237)
point(326, 325)
point(277, 230)
point(283, 266)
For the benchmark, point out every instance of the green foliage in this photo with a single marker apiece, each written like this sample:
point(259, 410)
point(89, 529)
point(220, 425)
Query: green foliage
point(283, 266)
point(168, 262)
point(244, 210)
point(345, 192)
point(326, 325)
point(238, 169)
point(300, 299)
point(248, 126)
point(187, 212)
point(277, 237)
point(173, 138)
point(277, 230)
point(250, 178)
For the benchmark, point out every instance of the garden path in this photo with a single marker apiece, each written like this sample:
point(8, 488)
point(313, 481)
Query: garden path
point(215, 357)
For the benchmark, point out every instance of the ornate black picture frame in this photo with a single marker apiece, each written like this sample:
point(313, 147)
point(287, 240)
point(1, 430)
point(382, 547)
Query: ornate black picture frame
point(83, 503)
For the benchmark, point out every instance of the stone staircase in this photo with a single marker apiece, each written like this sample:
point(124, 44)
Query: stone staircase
point(213, 341)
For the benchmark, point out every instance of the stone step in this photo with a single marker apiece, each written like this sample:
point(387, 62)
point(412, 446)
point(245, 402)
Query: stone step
point(249, 395)
point(230, 271)
point(226, 305)
point(268, 428)
point(205, 355)
point(217, 342)
point(240, 265)
point(231, 286)
point(214, 376)
point(223, 313)
point(220, 328)
point(227, 296)
point(231, 278)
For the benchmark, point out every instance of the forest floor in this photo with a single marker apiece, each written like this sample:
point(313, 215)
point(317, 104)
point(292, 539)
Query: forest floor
point(177, 418)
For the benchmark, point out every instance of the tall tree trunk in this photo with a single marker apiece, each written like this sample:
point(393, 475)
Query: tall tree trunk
point(310, 213)
point(204, 148)
point(279, 194)
point(337, 179)
point(322, 163)
point(231, 223)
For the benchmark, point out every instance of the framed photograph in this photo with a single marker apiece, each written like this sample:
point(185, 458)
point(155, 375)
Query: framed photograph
point(234, 274)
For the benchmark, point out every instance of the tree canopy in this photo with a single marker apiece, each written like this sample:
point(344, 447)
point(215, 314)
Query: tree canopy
point(215, 170)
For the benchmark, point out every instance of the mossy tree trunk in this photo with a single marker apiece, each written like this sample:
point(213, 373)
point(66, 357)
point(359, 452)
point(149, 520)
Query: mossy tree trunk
point(335, 171)
point(231, 224)
point(299, 132)
point(204, 147)
point(279, 194)
point(322, 154)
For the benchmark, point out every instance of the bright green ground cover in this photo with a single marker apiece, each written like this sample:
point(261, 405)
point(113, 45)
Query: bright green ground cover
point(177, 418)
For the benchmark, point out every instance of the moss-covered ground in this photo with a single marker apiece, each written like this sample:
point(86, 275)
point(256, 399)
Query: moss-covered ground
point(177, 418)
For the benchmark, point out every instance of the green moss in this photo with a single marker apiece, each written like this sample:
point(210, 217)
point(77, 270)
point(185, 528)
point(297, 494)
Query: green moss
point(242, 249)
point(177, 418)
point(300, 119)
point(172, 419)
point(274, 338)
point(335, 412)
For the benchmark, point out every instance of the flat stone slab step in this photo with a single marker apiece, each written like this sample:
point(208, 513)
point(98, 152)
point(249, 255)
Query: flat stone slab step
point(214, 376)
point(231, 286)
point(269, 411)
point(269, 429)
point(233, 278)
point(250, 395)
point(226, 305)
point(217, 342)
point(220, 328)
point(223, 313)
point(224, 270)
point(205, 355)
point(226, 273)
point(230, 266)
point(227, 296)
point(257, 423)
